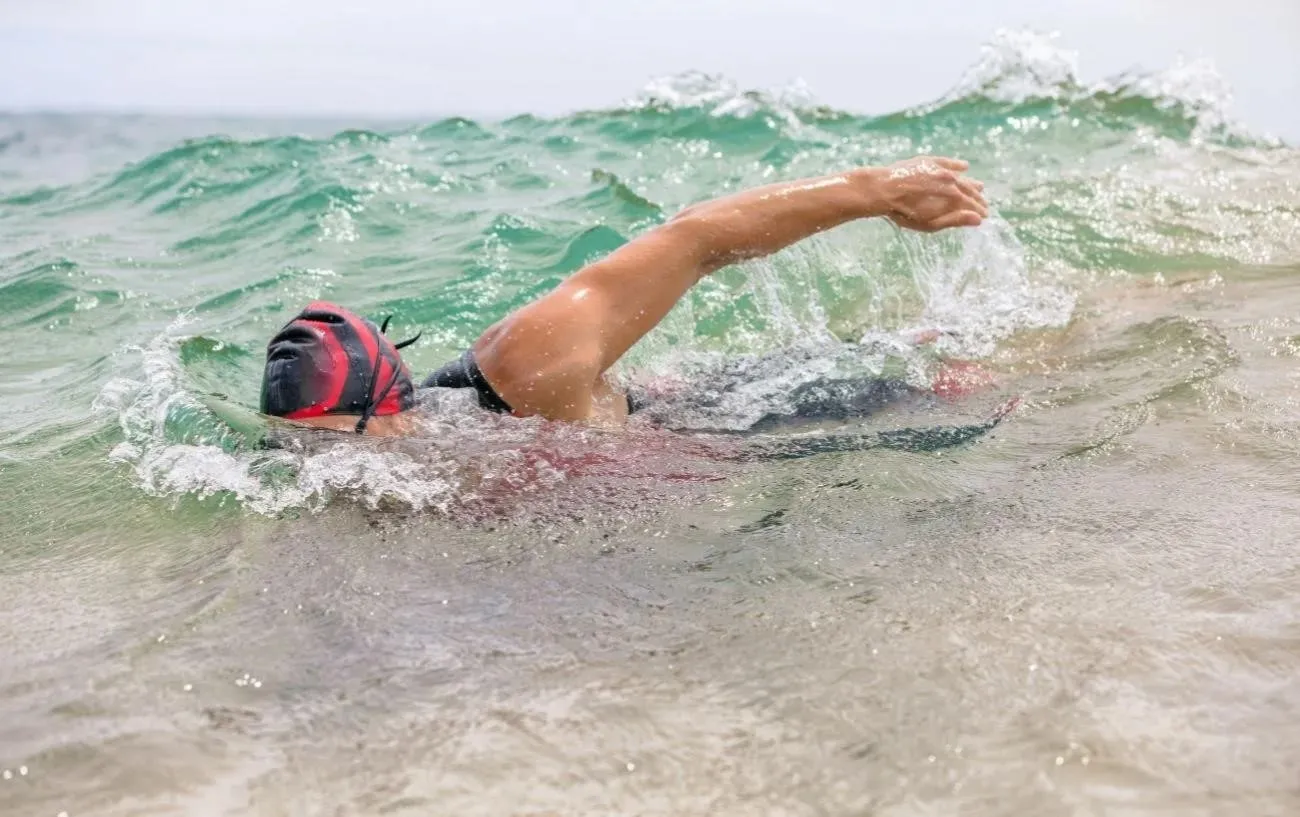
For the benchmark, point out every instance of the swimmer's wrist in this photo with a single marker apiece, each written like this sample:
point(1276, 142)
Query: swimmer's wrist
point(870, 184)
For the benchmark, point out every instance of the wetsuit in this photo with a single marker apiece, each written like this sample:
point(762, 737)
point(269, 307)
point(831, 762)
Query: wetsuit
point(464, 373)
point(814, 401)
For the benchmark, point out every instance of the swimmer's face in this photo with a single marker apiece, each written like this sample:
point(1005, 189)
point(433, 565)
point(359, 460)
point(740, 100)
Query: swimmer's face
point(331, 368)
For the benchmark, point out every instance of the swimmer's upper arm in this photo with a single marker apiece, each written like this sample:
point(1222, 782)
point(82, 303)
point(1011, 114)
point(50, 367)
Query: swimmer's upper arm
point(627, 293)
point(547, 357)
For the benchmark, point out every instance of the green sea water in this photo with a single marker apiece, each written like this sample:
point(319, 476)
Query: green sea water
point(1091, 611)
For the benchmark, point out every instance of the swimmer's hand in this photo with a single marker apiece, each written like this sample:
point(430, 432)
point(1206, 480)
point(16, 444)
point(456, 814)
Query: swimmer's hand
point(928, 194)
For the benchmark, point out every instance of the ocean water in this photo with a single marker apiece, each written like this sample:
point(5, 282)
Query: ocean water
point(1093, 609)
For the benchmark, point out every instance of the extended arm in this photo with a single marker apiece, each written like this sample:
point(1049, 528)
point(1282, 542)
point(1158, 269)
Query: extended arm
point(548, 357)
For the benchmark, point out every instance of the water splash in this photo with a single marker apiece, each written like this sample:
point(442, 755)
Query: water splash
point(175, 446)
point(720, 95)
point(1195, 87)
point(462, 461)
point(986, 293)
point(1017, 65)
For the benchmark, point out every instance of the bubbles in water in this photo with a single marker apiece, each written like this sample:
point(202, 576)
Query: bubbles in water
point(337, 224)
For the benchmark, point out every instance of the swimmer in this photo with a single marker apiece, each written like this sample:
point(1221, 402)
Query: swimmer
point(332, 369)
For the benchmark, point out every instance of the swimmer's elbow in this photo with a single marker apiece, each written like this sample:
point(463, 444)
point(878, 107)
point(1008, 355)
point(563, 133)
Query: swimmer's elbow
point(697, 233)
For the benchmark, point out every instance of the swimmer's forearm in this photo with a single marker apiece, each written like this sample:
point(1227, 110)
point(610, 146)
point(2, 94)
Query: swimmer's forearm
point(764, 220)
point(922, 194)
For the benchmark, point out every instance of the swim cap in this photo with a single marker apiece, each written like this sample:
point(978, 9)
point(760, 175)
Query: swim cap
point(331, 361)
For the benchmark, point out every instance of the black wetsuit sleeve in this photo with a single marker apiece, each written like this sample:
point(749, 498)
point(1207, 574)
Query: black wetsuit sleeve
point(464, 373)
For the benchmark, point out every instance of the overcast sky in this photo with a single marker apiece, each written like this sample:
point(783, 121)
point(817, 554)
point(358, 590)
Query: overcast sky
point(477, 57)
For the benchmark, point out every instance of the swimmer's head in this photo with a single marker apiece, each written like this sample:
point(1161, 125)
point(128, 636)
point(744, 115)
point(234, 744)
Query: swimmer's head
point(331, 362)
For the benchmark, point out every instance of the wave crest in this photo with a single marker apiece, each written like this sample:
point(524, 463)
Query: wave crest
point(1016, 67)
point(1019, 67)
point(721, 96)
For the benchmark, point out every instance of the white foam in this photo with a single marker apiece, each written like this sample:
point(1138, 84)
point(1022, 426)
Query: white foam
point(722, 96)
point(1021, 65)
point(337, 224)
point(146, 409)
point(1195, 85)
point(1017, 65)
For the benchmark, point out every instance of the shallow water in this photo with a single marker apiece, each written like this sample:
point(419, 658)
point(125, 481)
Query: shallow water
point(1090, 610)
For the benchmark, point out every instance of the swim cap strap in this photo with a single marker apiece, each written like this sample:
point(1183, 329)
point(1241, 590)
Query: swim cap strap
point(373, 400)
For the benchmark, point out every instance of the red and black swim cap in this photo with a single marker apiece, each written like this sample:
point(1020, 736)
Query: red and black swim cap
point(331, 361)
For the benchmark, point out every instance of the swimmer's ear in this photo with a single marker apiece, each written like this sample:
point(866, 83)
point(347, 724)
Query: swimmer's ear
point(407, 342)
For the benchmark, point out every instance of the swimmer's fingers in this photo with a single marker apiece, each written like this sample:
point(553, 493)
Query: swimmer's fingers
point(948, 163)
point(972, 188)
point(955, 218)
point(974, 197)
point(930, 193)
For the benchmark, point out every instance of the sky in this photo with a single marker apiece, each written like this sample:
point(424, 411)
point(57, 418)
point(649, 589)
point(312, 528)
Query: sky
point(407, 58)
